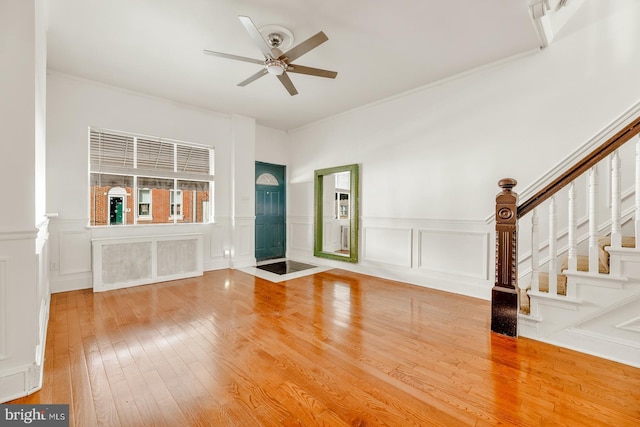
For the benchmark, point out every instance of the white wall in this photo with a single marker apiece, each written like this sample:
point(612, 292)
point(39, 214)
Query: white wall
point(72, 106)
point(75, 104)
point(431, 159)
point(271, 145)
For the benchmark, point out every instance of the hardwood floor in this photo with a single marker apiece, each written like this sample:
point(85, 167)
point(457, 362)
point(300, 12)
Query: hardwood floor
point(333, 349)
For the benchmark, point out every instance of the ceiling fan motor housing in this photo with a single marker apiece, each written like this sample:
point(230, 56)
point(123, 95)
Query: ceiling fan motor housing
point(274, 39)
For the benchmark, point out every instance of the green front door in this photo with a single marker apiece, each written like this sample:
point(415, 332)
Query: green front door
point(270, 211)
point(115, 210)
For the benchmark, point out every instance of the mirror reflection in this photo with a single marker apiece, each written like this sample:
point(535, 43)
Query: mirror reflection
point(336, 219)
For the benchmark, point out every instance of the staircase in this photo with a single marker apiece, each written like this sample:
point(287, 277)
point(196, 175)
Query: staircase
point(601, 314)
point(580, 287)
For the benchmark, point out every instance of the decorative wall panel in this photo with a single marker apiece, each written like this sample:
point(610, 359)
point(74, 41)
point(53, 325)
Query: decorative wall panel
point(301, 236)
point(217, 242)
point(388, 245)
point(3, 308)
point(75, 252)
point(244, 240)
point(462, 253)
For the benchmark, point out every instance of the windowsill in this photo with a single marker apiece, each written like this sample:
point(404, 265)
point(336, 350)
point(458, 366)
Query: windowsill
point(129, 226)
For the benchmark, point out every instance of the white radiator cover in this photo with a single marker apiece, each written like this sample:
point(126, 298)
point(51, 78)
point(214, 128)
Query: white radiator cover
point(131, 261)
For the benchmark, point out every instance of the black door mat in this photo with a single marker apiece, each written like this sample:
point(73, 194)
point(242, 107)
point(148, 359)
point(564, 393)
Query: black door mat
point(285, 267)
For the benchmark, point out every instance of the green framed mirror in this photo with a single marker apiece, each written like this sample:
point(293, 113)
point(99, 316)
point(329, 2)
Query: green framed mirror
point(336, 211)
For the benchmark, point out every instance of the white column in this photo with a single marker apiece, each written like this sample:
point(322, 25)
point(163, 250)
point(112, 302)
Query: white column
point(593, 219)
point(553, 255)
point(535, 252)
point(243, 184)
point(24, 292)
point(616, 214)
point(573, 228)
point(637, 198)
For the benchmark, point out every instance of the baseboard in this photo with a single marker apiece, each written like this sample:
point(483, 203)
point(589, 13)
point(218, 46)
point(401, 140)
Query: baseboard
point(597, 345)
point(238, 263)
point(461, 285)
point(216, 265)
point(447, 283)
point(67, 284)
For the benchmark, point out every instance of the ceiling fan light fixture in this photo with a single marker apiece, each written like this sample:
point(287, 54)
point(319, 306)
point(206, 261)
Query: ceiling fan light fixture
point(275, 67)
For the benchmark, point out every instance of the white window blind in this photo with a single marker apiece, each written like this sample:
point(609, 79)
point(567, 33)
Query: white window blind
point(193, 160)
point(110, 150)
point(113, 152)
point(155, 155)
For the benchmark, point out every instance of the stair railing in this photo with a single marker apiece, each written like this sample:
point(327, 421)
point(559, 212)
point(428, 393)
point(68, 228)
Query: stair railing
point(504, 295)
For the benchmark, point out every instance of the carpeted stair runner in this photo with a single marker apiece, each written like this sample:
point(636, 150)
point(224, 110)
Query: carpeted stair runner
point(583, 265)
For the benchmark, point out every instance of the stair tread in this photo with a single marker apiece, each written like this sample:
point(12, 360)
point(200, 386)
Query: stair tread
point(582, 262)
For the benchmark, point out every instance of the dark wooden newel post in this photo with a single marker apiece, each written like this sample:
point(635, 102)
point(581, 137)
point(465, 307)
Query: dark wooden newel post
point(504, 295)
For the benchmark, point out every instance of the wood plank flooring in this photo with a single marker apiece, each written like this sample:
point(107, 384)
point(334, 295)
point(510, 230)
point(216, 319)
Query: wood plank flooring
point(332, 349)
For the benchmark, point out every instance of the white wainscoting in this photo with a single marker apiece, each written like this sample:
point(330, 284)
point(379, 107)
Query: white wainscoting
point(218, 241)
point(243, 254)
point(22, 272)
point(69, 256)
point(300, 238)
point(3, 308)
point(454, 256)
point(75, 251)
point(388, 245)
point(463, 253)
point(449, 255)
point(219, 245)
point(131, 261)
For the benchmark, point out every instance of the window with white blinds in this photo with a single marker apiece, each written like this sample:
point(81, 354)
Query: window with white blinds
point(114, 152)
point(151, 172)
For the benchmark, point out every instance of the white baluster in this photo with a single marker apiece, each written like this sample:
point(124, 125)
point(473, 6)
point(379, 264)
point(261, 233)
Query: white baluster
point(553, 256)
point(573, 229)
point(535, 252)
point(593, 219)
point(637, 208)
point(616, 215)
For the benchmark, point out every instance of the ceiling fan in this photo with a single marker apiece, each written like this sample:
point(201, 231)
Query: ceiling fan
point(275, 61)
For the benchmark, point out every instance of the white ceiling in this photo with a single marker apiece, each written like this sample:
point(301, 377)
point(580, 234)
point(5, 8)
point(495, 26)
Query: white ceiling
point(379, 48)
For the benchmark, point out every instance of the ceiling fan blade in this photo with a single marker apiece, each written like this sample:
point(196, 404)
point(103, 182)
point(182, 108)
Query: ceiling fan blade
point(236, 57)
point(304, 47)
point(256, 76)
point(287, 83)
point(257, 37)
point(301, 69)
